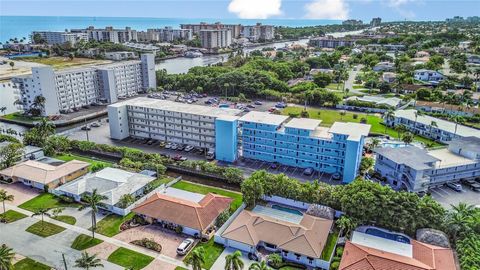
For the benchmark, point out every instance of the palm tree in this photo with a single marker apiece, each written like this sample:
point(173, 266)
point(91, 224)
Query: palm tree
point(400, 130)
point(346, 224)
point(6, 258)
point(407, 138)
point(457, 119)
point(432, 124)
point(5, 197)
point(3, 109)
point(42, 212)
point(87, 261)
point(417, 114)
point(233, 261)
point(94, 201)
point(388, 115)
point(196, 258)
point(259, 266)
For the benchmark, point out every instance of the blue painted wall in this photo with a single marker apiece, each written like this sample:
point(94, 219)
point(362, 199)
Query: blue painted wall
point(226, 140)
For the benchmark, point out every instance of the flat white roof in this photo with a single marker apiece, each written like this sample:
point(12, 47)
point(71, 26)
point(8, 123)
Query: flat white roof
point(182, 194)
point(303, 123)
point(264, 118)
point(173, 106)
point(354, 130)
point(380, 243)
point(441, 124)
point(449, 159)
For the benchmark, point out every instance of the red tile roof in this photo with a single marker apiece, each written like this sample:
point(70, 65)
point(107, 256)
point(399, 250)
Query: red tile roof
point(425, 257)
point(186, 213)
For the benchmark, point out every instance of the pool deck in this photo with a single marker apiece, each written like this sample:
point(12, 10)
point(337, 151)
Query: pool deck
point(278, 214)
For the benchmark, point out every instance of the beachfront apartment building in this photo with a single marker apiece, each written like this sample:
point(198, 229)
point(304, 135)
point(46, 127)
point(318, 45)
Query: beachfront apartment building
point(258, 32)
point(69, 89)
point(330, 42)
point(58, 37)
point(301, 142)
point(109, 34)
point(167, 34)
point(235, 29)
point(215, 39)
point(431, 127)
point(417, 169)
point(164, 120)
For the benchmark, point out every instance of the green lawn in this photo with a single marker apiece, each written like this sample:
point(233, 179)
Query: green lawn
point(12, 216)
point(22, 118)
point(29, 264)
point(328, 117)
point(329, 246)
point(180, 268)
point(66, 219)
point(45, 200)
point(110, 225)
point(335, 86)
point(84, 241)
point(129, 259)
point(212, 252)
point(188, 186)
point(45, 230)
point(93, 162)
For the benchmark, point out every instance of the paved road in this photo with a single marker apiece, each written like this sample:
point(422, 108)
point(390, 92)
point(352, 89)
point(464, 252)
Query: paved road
point(43, 249)
point(351, 79)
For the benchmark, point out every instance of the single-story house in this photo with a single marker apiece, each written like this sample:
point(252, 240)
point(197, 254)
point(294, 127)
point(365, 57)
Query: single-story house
point(393, 102)
point(195, 213)
point(410, 88)
point(389, 77)
point(301, 241)
point(370, 252)
point(110, 182)
point(37, 174)
point(384, 66)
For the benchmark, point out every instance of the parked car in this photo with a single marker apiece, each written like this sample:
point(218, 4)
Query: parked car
point(188, 148)
point(308, 171)
point(336, 176)
point(258, 102)
point(86, 127)
point(274, 165)
point(174, 146)
point(179, 158)
point(210, 154)
point(185, 246)
point(455, 186)
point(272, 109)
point(162, 144)
point(168, 146)
point(181, 147)
point(250, 106)
point(475, 187)
point(281, 105)
point(95, 124)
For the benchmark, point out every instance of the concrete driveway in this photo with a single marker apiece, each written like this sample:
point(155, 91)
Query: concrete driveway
point(168, 239)
point(83, 217)
point(220, 262)
point(20, 192)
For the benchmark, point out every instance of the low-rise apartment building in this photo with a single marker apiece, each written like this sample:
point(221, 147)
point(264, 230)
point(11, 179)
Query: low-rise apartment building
point(58, 37)
point(196, 125)
point(330, 42)
point(431, 127)
point(301, 142)
point(70, 89)
point(418, 169)
point(216, 39)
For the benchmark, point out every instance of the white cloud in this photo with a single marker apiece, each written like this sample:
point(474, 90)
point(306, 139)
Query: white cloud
point(255, 9)
point(327, 9)
point(399, 6)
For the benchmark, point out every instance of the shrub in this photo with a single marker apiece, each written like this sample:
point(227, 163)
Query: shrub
point(334, 265)
point(179, 229)
point(339, 251)
point(65, 199)
point(222, 218)
point(97, 167)
point(355, 116)
point(275, 260)
point(148, 243)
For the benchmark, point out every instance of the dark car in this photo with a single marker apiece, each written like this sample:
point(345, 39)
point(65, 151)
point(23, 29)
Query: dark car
point(274, 165)
point(308, 171)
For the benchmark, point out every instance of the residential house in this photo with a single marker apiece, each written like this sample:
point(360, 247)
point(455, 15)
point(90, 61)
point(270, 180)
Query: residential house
point(29, 152)
point(40, 175)
point(384, 66)
point(110, 182)
point(369, 252)
point(194, 213)
point(436, 107)
point(410, 88)
point(418, 170)
point(389, 77)
point(427, 75)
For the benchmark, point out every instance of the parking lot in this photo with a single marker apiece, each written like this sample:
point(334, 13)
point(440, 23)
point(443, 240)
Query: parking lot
point(447, 196)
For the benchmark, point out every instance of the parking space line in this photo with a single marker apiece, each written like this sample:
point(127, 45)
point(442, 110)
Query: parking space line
point(437, 193)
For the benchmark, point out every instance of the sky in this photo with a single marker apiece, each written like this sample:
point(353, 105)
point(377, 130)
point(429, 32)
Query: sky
point(388, 10)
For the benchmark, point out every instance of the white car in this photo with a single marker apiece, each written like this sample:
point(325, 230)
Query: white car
point(455, 186)
point(185, 246)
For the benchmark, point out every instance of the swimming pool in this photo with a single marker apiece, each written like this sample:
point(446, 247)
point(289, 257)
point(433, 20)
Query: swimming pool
point(286, 209)
point(387, 235)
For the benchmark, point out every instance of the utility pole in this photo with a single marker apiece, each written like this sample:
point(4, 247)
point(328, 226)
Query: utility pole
point(64, 261)
point(86, 129)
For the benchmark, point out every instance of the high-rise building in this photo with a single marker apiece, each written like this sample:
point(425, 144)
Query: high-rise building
point(55, 38)
point(375, 21)
point(330, 42)
point(71, 89)
point(167, 34)
point(109, 34)
point(235, 29)
point(259, 32)
point(216, 39)
point(352, 22)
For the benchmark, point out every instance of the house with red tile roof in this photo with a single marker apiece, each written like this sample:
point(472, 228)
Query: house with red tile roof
point(366, 253)
point(195, 217)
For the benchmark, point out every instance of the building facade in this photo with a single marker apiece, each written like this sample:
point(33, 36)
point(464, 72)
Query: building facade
point(428, 75)
point(55, 38)
point(174, 122)
point(302, 143)
point(235, 29)
point(431, 127)
point(216, 39)
point(109, 34)
point(167, 34)
point(258, 32)
point(330, 42)
point(376, 21)
point(70, 89)
point(418, 170)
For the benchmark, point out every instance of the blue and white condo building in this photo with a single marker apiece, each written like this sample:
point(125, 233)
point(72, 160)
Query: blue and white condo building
point(302, 142)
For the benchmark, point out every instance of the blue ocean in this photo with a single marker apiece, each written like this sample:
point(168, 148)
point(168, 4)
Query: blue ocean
point(22, 26)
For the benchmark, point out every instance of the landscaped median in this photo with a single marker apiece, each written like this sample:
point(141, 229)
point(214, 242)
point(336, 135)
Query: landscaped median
point(29, 264)
point(44, 229)
point(12, 216)
point(84, 241)
point(129, 259)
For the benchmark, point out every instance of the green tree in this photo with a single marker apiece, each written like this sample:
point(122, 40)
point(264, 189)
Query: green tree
point(234, 261)
point(42, 212)
point(322, 79)
point(93, 201)
point(12, 64)
point(6, 258)
point(400, 129)
point(389, 115)
point(126, 200)
point(346, 224)
point(407, 138)
point(9, 154)
point(4, 196)
point(88, 261)
point(252, 188)
point(275, 260)
point(196, 258)
point(259, 266)
point(39, 134)
point(365, 165)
